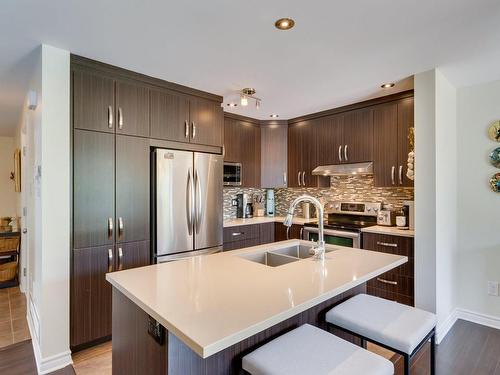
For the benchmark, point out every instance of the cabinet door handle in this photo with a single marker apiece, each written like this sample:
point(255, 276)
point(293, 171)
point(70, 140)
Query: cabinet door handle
point(340, 152)
point(345, 153)
point(120, 118)
point(110, 117)
point(387, 281)
point(393, 174)
point(110, 260)
point(236, 234)
point(301, 233)
point(110, 227)
point(298, 177)
point(120, 259)
point(304, 178)
point(190, 202)
point(186, 129)
point(194, 129)
point(401, 175)
point(284, 178)
point(120, 227)
point(387, 244)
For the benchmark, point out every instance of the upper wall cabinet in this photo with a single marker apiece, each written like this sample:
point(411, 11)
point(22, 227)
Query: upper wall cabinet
point(132, 108)
point(93, 101)
point(273, 155)
point(392, 123)
point(242, 145)
point(207, 122)
point(346, 137)
point(104, 104)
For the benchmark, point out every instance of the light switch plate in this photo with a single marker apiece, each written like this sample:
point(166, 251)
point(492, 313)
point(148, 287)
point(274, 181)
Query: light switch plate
point(493, 288)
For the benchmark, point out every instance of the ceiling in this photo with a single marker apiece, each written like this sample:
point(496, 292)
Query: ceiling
point(339, 51)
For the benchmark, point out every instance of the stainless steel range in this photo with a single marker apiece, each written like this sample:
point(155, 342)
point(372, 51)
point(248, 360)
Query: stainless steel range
point(344, 223)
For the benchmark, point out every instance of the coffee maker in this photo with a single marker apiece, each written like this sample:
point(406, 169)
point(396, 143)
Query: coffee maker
point(409, 212)
point(244, 207)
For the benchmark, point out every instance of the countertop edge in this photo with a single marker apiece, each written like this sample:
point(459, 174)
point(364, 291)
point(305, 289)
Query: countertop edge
point(265, 219)
point(392, 231)
point(220, 345)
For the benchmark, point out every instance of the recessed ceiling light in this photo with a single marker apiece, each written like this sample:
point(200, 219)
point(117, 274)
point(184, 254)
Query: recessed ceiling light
point(232, 104)
point(284, 24)
point(274, 116)
point(388, 85)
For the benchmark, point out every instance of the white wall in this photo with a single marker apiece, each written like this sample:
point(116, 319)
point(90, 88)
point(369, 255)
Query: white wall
point(48, 137)
point(425, 190)
point(478, 207)
point(8, 197)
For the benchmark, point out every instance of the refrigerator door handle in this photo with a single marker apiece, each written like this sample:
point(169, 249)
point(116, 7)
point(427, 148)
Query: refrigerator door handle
point(189, 203)
point(198, 202)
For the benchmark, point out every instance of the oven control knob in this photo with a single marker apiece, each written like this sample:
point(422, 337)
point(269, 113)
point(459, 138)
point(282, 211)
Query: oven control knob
point(375, 209)
point(337, 206)
point(369, 209)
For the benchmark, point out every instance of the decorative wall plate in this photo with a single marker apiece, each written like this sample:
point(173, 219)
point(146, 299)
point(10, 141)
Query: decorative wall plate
point(494, 131)
point(495, 157)
point(495, 183)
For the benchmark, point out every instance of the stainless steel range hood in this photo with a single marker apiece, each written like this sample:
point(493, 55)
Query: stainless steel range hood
point(344, 169)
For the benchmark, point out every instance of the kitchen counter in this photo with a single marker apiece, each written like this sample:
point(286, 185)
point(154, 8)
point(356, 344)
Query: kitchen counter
point(213, 302)
point(393, 231)
point(266, 219)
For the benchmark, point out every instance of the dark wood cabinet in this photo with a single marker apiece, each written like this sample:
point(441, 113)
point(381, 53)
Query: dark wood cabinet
point(302, 154)
point(266, 233)
point(132, 108)
point(280, 232)
point(358, 136)
point(385, 158)
point(93, 189)
point(294, 156)
point(93, 101)
point(207, 122)
point(132, 255)
point(330, 141)
point(169, 115)
point(397, 284)
point(392, 123)
point(242, 145)
point(273, 162)
point(132, 189)
point(91, 294)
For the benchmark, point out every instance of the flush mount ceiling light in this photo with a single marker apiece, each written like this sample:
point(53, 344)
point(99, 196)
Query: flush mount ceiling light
point(284, 24)
point(274, 116)
point(249, 93)
point(388, 85)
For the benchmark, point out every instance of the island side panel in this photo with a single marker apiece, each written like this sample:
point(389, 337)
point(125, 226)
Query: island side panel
point(183, 361)
point(135, 352)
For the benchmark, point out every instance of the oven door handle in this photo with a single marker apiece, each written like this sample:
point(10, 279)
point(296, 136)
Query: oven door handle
point(332, 232)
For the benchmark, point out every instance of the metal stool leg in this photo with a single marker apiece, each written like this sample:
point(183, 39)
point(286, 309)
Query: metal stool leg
point(406, 359)
point(433, 354)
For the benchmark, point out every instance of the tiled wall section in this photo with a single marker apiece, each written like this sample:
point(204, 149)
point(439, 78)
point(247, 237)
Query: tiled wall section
point(230, 193)
point(347, 188)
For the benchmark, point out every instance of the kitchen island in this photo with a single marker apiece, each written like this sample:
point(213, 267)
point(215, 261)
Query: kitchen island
point(202, 315)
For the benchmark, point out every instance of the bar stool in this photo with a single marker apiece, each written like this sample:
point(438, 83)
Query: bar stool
point(400, 328)
point(310, 350)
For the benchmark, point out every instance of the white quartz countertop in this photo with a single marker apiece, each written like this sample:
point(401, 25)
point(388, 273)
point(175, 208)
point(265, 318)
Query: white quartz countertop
point(266, 219)
point(393, 231)
point(214, 301)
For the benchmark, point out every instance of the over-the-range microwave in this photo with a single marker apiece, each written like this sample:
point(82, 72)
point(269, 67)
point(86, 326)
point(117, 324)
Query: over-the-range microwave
point(232, 174)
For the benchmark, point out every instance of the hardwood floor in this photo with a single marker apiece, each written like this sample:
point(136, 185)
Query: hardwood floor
point(13, 324)
point(468, 349)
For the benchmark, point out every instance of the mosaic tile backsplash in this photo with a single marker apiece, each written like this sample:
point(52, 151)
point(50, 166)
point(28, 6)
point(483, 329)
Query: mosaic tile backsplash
point(345, 188)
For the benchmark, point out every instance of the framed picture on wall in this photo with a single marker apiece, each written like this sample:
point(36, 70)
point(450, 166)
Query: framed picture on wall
point(17, 171)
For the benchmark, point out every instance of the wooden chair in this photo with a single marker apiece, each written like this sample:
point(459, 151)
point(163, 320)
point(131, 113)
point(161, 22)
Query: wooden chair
point(9, 260)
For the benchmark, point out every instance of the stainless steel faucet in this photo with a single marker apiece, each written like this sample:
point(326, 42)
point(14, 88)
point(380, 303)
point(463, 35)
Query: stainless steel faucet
point(319, 249)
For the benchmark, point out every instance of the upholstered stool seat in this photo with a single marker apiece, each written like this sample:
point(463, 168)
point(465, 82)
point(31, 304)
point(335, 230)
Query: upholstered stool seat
point(310, 350)
point(398, 327)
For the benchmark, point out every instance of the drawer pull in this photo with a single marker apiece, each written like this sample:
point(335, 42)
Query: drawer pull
point(387, 244)
point(387, 281)
point(234, 234)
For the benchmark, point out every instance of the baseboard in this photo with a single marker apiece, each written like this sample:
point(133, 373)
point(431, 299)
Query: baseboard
point(475, 317)
point(48, 364)
point(443, 328)
point(470, 316)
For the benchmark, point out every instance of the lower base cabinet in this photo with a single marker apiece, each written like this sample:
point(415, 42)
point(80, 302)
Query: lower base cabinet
point(397, 284)
point(280, 232)
point(91, 293)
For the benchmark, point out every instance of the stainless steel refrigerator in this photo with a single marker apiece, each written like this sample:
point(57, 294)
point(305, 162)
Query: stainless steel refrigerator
point(187, 204)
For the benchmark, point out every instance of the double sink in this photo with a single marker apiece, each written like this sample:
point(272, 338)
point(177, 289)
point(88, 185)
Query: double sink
point(281, 256)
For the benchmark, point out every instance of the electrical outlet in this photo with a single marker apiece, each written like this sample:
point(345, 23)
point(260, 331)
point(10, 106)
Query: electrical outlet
point(493, 288)
point(234, 202)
